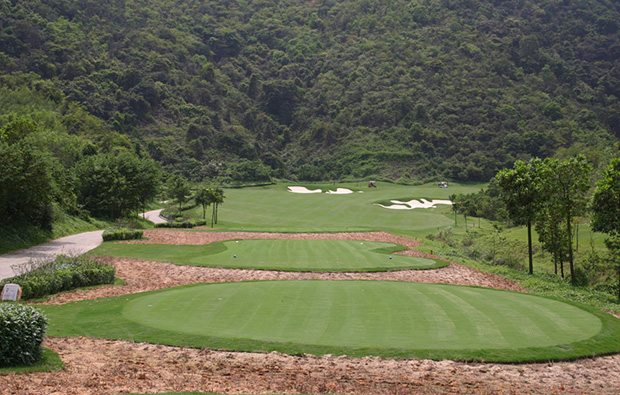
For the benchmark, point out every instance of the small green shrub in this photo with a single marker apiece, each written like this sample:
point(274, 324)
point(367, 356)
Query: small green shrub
point(22, 329)
point(62, 274)
point(185, 224)
point(122, 234)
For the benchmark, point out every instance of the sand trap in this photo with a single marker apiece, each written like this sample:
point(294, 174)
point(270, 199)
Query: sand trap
point(340, 191)
point(412, 204)
point(303, 190)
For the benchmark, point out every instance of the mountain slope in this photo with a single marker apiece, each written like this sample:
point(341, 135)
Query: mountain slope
point(325, 89)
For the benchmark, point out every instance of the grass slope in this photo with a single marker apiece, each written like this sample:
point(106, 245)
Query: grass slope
point(288, 255)
point(356, 318)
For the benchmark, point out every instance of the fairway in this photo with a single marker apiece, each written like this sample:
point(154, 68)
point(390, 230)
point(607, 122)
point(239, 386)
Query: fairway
point(349, 317)
point(273, 208)
point(287, 255)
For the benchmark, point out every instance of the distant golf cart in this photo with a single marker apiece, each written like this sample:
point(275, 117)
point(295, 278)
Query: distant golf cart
point(372, 184)
point(443, 184)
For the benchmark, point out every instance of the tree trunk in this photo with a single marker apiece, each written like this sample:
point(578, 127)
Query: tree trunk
point(555, 262)
point(212, 215)
point(529, 245)
point(204, 212)
point(570, 250)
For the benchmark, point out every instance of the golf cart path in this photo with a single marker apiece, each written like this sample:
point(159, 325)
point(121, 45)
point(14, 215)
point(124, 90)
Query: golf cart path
point(154, 216)
point(70, 245)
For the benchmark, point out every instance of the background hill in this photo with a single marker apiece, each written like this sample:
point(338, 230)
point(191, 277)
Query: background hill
point(323, 89)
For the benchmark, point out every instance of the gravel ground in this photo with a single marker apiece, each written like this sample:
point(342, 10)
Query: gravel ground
point(99, 366)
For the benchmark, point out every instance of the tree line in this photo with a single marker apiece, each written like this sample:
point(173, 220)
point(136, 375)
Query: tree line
point(548, 195)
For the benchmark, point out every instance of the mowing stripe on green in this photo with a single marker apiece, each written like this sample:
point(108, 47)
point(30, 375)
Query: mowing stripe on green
point(357, 318)
point(366, 314)
point(287, 255)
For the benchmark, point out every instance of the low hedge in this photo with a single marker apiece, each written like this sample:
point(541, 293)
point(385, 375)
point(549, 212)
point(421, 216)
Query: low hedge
point(62, 274)
point(22, 329)
point(122, 234)
point(185, 224)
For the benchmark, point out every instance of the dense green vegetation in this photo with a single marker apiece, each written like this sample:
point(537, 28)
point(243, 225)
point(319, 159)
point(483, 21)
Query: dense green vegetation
point(22, 329)
point(242, 90)
point(356, 318)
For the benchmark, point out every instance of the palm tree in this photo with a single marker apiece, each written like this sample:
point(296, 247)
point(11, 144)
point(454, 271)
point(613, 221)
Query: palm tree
point(202, 198)
point(215, 196)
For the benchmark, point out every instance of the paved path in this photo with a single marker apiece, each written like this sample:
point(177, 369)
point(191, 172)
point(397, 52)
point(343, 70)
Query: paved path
point(70, 245)
point(154, 216)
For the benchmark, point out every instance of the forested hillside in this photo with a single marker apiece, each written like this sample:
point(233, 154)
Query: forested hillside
point(241, 89)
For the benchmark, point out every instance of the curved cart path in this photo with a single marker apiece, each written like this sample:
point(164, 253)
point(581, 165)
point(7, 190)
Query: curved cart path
point(154, 216)
point(70, 245)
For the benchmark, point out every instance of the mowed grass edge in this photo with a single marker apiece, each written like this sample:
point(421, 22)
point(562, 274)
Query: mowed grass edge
point(103, 318)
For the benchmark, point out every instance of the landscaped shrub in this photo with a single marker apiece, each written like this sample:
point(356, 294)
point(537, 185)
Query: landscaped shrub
point(122, 234)
point(187, 224)
point(63, 273)
point(22, 329)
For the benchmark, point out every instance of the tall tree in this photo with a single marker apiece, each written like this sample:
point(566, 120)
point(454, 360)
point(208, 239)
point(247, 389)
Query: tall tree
point(605, 209)
point(179, 190)
point(216, 197)
point(146, 181)
point(551, 231)
point(566, 184)
point(115, 185)
point(455, 205)
point(203, 198)
point(521, 192)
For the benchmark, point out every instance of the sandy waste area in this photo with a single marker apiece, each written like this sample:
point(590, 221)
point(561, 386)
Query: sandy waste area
point(338, 191)
point(414, 203)
point(100, 366)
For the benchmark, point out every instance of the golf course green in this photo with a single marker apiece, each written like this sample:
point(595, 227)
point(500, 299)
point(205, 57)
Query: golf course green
point(287, 255)
point(357, 318)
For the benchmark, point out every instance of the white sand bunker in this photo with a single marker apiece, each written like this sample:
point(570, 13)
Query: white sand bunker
point(303, 190)
point(410, 205)
point(340, 191)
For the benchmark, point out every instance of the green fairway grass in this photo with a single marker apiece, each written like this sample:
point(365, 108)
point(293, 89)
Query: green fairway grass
point(356, 318)
point(50, 361)
point(289, 255)
point(273, 208)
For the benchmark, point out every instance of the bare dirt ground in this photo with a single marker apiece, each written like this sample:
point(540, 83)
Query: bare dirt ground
point(99, 366)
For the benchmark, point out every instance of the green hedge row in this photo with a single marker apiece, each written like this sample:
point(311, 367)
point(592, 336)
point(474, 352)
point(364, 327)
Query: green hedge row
point(122, 234)
point(62, 274)
point(22, 329)
point(186, 224)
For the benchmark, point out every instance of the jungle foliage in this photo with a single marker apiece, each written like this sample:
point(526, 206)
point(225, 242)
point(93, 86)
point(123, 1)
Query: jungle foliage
point(247, 90)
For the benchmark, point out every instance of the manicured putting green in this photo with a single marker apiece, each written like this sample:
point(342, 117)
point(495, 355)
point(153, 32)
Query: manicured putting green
point(356, 318)
point(289, 255)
